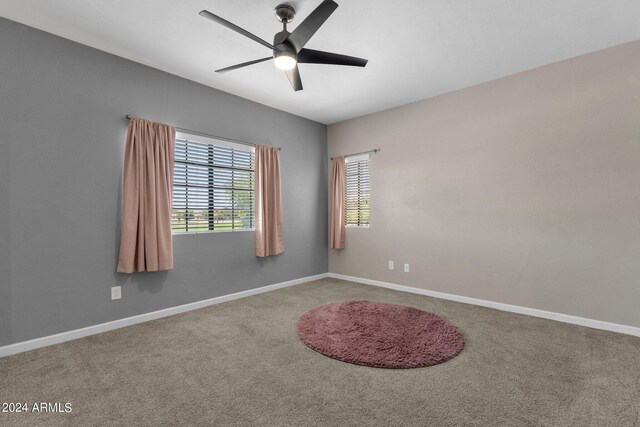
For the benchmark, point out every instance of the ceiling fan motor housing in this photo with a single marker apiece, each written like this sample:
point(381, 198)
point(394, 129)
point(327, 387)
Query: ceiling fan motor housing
point(284, 55)
point(283, 47)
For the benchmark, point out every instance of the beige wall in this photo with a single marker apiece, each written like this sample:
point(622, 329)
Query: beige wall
point(524, 190)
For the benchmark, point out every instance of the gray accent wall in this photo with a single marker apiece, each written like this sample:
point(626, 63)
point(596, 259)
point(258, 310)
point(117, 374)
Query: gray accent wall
point(524, 190)
point(62, 106)
point(5, 203)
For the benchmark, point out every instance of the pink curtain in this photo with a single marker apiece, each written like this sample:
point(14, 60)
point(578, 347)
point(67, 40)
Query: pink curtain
point(268, 201)
point(145, 243)
point(337, 197)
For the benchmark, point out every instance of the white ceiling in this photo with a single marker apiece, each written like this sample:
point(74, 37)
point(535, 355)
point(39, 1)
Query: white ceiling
point(416, 48)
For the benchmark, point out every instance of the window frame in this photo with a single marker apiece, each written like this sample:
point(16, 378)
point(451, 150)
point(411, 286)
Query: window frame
point(211, 189)
point(363, 186)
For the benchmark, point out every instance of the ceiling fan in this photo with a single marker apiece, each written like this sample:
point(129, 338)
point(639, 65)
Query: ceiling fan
point(288, 48)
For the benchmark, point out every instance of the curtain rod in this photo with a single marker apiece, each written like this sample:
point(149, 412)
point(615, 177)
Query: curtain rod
point(375, 150)
point(129, 117)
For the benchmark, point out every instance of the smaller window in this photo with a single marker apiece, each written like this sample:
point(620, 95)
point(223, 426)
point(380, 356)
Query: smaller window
point(212, 185)
point(358, 191)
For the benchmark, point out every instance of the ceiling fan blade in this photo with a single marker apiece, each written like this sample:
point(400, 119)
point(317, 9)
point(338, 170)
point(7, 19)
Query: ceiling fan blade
point(294, 77)
point(234, 27)
point(310, 56)
point(244, 64)
point(303, 33)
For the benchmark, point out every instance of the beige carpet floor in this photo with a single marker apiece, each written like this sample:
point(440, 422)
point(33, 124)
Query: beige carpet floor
point(241, 363)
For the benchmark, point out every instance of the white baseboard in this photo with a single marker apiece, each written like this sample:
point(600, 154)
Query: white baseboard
point(582, 321)
point(128, 321)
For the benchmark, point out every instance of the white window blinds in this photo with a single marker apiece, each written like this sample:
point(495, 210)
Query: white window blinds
point(357, 191)
point(213, 185)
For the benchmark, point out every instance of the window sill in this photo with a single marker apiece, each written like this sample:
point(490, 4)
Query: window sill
point(210, 232)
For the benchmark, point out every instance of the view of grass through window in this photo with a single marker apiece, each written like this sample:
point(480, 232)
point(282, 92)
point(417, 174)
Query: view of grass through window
point(212, 185)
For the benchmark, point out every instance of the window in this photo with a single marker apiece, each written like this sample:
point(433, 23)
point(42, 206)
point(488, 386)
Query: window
point(212, 185)
point(358, 194)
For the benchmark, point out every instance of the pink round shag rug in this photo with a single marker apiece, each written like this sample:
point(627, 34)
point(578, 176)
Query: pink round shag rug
point(379, 334)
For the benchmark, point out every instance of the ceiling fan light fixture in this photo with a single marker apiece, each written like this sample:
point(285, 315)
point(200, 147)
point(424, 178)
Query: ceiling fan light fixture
point(285, 60)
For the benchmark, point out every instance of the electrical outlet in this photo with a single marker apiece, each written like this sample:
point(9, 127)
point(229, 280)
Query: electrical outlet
point(116, 292)
point(391, 266)
point(406, 267)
